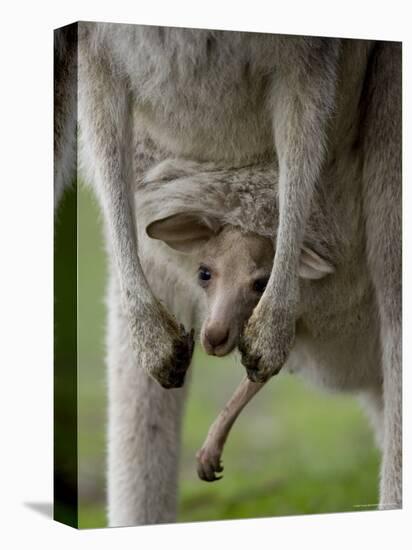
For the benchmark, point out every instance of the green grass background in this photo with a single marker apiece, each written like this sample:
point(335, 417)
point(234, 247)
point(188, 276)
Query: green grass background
point(294, 450)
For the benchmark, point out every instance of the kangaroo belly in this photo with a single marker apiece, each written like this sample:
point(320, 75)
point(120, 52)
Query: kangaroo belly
point(200, 94)
point(349, 362)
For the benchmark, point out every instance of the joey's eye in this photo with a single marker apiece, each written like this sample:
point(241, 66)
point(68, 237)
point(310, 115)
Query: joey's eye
point(260, 284)
point(204, 274)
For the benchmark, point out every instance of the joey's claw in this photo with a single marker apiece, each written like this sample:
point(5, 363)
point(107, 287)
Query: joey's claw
point(207, 474)
point(208, 465)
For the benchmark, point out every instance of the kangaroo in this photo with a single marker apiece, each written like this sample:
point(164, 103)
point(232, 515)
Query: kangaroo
point(233, 269)
point(327, 113)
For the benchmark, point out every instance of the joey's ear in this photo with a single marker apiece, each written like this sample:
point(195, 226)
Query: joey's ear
point(184, 232)
point(312, 266)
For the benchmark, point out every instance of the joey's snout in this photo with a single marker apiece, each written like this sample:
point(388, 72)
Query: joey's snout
point(216, 338)
point(217, 334)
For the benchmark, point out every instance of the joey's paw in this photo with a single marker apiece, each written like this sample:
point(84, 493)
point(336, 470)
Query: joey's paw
point(266, 342)
point(208, 464)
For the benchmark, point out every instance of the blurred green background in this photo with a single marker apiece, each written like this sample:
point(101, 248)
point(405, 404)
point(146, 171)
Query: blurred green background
point(294, 450)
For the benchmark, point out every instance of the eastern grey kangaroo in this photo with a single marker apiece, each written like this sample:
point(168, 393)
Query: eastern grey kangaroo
point(327, 113)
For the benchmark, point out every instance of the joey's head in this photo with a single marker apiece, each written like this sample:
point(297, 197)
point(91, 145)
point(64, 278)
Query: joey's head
point(233, 269)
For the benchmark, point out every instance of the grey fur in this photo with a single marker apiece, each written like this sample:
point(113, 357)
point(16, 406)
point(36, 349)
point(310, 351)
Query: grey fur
point(323, 114)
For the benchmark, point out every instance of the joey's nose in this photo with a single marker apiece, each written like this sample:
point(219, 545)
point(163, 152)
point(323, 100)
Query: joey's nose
point(217, 335)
